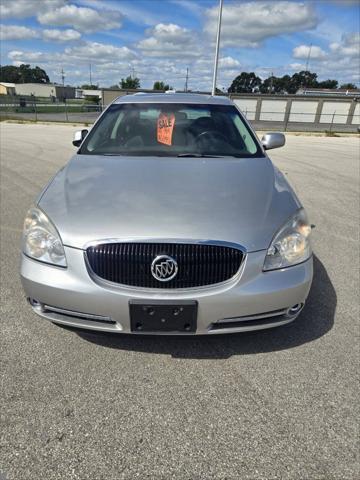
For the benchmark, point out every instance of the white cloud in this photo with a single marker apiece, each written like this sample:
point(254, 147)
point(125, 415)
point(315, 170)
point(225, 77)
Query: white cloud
point(349, 46)
point(25, 57)
point(16, 32)
point(228, 62)
point(98, 53)
point(166, 40)
point(26, 8)
point(87, 52)
point(249, 24)
point(302, 51)
point(138, 13)
point(81, 18)
point(341, 60)
point(297, 66)
point(56, 35)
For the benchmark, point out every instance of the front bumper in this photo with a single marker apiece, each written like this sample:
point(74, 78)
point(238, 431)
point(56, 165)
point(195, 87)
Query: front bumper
point(252, 300)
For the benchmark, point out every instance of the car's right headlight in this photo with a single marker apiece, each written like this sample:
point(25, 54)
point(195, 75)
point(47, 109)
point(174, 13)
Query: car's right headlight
point(291, 245)
point(41, 240)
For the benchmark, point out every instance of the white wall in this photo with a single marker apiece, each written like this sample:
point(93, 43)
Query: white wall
point(273, 110)
point(37, 89)
point(302, 111)
point(248, 107)
point(341, 110)
point(91, 93)
point(356, 117)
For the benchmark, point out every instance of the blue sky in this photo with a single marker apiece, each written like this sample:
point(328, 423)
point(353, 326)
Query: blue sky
point(159, 40)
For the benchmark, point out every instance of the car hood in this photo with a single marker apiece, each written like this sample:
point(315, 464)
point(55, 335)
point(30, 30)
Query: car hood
point(240, 200)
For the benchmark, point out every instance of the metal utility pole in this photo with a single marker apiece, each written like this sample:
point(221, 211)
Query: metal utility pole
point(63, 77)
point(186, 79)
point(217, 48)
point(307, 66)
point(90, 73)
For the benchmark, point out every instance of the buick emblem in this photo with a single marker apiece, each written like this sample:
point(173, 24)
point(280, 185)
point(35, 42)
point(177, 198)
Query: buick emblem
point(164, 268)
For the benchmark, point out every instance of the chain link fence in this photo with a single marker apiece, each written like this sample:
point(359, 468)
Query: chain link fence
point(35, 109)
point(283, 115)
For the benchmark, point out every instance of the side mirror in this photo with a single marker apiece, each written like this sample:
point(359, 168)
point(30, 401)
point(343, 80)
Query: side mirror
point(273, 140)
point(79, 137)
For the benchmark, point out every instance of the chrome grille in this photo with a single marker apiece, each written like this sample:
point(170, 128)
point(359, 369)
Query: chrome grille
point(130, 263)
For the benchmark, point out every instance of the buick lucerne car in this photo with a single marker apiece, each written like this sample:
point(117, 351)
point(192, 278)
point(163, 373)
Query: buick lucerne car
point(169, 219)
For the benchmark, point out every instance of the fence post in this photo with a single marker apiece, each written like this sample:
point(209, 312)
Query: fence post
point(287, 113)
point(332, 121)
point(35, 109)
point(66, 113)
point(318, 111)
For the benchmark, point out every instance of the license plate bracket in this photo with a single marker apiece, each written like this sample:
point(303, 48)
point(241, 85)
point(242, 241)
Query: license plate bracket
point(163, 316)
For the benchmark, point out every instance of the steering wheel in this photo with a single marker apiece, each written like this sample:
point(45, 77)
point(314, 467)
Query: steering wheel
point(213, 134)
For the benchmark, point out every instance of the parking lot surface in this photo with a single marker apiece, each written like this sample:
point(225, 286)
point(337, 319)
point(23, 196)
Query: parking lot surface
point(277, 404)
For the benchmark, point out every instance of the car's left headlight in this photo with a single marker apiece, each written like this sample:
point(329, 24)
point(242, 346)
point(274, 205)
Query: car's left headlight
point(291, 245)
point(41, 240)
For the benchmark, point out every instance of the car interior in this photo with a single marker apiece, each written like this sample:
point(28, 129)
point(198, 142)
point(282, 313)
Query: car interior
point(201, 131)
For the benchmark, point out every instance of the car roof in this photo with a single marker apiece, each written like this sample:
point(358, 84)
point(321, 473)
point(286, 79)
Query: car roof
point(173, 98)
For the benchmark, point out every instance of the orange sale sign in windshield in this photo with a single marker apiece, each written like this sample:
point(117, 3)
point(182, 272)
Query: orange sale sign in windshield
point(165, 127)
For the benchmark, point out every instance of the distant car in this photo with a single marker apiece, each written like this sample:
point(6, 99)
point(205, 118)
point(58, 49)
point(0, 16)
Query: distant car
point(169, 219)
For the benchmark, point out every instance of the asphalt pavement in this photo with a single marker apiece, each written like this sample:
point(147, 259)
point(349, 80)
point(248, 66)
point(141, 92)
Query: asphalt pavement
point(278, 404)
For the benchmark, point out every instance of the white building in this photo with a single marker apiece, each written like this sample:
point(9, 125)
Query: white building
point(7, 88)
point(82, 93)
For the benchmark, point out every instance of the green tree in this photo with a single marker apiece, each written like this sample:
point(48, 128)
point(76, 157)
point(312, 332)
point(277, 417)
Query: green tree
point(92, 99)
point(23, 74)
point(130, 82)
point(87, 86)
point(115, 87)
point(332, 84)
point(39, 75)
point(348, 86)
point(276, 84)
point(9, 73)
point(245, 83)
point(161, 86)
point(303, 79)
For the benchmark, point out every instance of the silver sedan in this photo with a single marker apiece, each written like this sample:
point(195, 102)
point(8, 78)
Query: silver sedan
point(169, 219)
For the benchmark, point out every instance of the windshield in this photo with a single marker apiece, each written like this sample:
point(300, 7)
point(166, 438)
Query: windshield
point(173, 129)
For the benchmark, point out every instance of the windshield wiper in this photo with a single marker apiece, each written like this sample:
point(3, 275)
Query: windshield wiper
point(198, 155)
point(111, 154)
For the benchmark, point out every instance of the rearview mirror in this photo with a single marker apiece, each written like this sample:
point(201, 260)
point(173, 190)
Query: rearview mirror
point(79, 137)
point(273, 140)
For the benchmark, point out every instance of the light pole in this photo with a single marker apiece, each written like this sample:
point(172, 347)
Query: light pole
point(217, 48)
